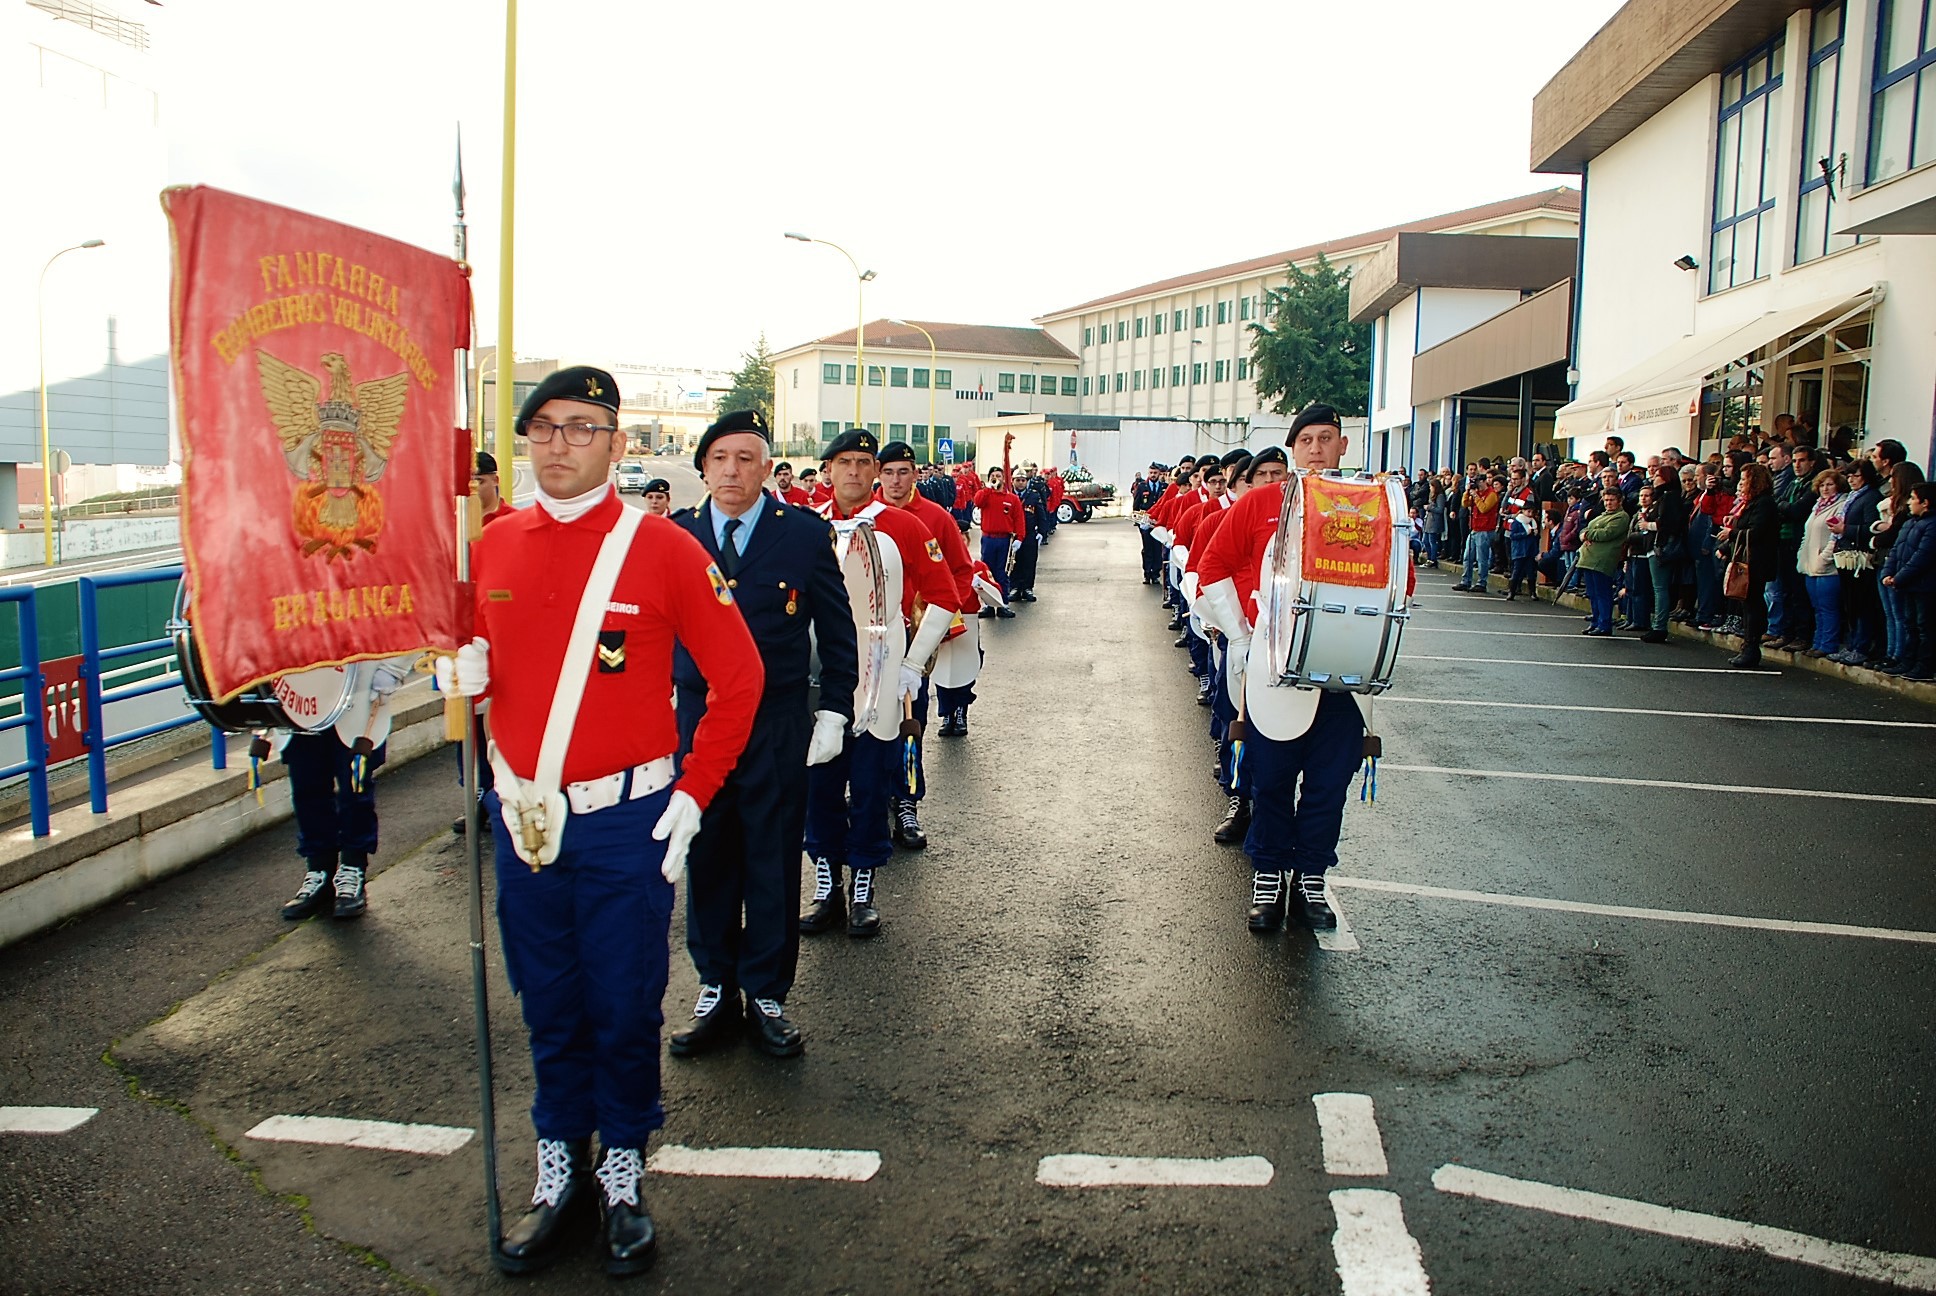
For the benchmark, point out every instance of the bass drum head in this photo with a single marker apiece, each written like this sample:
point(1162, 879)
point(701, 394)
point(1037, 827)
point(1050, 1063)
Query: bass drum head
point(306, 701)
point(959, 663)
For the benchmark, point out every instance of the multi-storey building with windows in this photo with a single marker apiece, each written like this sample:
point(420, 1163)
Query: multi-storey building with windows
point(1181, 347)
point(913, 390)
point(1760, 184)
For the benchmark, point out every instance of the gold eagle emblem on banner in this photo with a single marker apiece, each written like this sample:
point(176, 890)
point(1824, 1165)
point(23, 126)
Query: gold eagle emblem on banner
point(337, 445)
point(1347, 523)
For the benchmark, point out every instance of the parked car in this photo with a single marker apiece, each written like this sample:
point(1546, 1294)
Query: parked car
point(632, 477)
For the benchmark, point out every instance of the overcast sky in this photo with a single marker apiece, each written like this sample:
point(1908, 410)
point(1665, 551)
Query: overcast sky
point(990, 162)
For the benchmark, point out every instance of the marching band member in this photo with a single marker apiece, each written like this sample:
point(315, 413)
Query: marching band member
point(1295, 822)
point(778, 561)
point(484, 485)
point(784, 489)
point(579, 600)
point(1003, 527)
point(657, 497)
point(1215, 499)
point(848, 797)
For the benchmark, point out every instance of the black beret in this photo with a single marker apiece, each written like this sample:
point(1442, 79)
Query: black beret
point(1156, 467)
point(738, 421)
point(853, 439)
point(486, 463)
point(1235, 455)
point(1212, 467)
point(1268, 455)
point(782, 466)
point(1239, 469)
point(1310, 414)
point(578, 383)
point(896, 452)
point(1186, 459)
point(658, 484)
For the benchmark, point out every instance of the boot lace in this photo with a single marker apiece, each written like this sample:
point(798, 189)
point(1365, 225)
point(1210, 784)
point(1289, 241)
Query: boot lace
point(768, 1007)
point(863, 886)
point(1266, 888)
point(823, 880)
point(1236, 805)
point(1311, 887)
point(554, 1172)
point(349, 881)
point(709, 997)
point(313, 882)
point(906, 812)
point(620, 1176)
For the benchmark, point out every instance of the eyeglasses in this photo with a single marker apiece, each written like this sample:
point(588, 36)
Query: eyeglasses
point(577, 432)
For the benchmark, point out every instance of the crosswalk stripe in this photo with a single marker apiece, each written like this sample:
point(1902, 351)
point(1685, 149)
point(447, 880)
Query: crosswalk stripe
point(44, 1120)
point(380, 1136)
point(1076, 1170)
point(766, 1163)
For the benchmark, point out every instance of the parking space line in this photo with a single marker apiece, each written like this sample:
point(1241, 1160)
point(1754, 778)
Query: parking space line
point(766, 1163)
point(1522, 634)
point(1083, 1171)
point(1491, 705)
point(379, 1136)
point(1348, 1127)
point(1483, 611)
point(1340, 939)
point(1376, 1254)
point(1608, 780)
point(1916, 1273)
point(44, 1120)
point(1676, 670)
point(1906, 935)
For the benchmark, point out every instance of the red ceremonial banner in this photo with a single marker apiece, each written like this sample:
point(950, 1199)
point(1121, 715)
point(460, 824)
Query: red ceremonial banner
point(316, 395)
point(1347, 533)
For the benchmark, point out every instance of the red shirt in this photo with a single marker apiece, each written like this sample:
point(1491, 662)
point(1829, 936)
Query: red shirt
point(923, 570)
point(503, 510)
point(818, 495)
point(795, 496)
point(1190, 522)
point(1207, 528)
point(1002, 517)
point(529, 572)
point(1236, 552)
point(954, 549)
point(1483, 504)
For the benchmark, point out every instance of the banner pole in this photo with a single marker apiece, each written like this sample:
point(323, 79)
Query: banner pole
point(507, 361)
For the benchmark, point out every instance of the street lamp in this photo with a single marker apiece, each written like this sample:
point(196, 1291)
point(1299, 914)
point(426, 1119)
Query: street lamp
point(860, 316)
point(46, 453)
point(933, 361)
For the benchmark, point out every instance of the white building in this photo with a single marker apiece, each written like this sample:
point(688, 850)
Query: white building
point(915, 393)
point(658, 404)
point(1760, 184)
point(1180, 347)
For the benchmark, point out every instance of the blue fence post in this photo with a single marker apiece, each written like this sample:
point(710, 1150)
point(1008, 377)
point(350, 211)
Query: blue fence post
point(33, 689)
point(219, 743)
point(97, 748)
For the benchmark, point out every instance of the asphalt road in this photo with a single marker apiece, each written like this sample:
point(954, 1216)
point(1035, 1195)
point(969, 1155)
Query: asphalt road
point(1066, 972)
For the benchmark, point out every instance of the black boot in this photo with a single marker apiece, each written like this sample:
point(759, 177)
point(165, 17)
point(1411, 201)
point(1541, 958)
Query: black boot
point(1266, 901)
point(961, 722)
point(630, 1238)
point(907, 827)
point(316, 893)
point(829, 906)
point(1236, 824)
point(863, 917)
point(562, 1207)
point(352, 893)
point(713, 1020)
point(1312, 906)
point(770, 1030)
point(1206, 689)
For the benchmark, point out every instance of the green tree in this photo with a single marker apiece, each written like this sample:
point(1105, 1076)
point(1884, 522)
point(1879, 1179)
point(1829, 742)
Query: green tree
point(752, 385)
point(1310, 350)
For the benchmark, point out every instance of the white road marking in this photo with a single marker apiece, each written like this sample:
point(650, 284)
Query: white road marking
point(766, 1163)
point(1479, 611)
point(1906, 935)
point(1349, 1127)
point(1521, 634)
point(380, 1136)
point(1340, 939)
point(1677, 670)
point(1649, 711)
point(1375, 1252)
point(44, 1120)
point(1082, 1171)
point(1611, 781)
point(1917, 1273)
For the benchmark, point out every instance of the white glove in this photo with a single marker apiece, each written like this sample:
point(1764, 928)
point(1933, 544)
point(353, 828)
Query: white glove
point(469, 672)
point(829, 732)
point(1014, 547)
point(911, 680)
point(1236, 656)
point(676, 828)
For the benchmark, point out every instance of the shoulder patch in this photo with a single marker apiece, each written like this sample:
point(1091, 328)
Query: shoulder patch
point(934, 550)
point(720, 592)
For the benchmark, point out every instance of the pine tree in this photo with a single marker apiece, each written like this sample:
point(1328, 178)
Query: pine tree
point(753, 384)
point(1310, 350)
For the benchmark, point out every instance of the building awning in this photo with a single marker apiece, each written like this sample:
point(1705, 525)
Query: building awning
point(1667, 388)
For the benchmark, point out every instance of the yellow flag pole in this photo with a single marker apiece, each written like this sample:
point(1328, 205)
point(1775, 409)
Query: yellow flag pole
point(506, 358)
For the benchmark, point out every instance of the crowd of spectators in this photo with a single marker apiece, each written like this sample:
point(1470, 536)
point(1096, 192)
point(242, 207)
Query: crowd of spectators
point(1822, 551)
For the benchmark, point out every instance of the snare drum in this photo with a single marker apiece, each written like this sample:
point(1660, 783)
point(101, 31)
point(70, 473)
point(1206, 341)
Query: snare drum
point(308, 701)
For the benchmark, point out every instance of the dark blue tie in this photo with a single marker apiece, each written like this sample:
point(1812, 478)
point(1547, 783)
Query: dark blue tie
point(729, 548)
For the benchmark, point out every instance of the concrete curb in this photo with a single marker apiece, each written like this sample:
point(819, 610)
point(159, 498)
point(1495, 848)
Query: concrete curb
point(156, 829)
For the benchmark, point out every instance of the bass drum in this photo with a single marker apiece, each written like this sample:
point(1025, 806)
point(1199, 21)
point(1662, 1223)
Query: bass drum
point(307, 701)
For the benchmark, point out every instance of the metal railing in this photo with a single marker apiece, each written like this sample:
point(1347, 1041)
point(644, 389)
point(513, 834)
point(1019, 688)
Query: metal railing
point(33, 720)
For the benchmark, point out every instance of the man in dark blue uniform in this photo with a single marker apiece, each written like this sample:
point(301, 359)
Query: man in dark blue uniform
point(778, 560)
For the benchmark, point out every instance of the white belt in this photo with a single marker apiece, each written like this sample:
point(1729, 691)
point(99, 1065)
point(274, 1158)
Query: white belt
point(626, 785)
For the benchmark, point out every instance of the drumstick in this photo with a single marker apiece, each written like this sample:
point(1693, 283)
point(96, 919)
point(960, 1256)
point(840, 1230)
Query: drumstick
point(910, 741)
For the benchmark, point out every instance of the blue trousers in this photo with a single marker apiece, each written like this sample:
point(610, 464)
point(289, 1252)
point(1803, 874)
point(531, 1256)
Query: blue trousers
point(994, 552)
point(1199, 652)
point(1599, 596)
point(1478, 552)
point(921, 706)
point(847, 803)
point(585, 947)
point(1223, 710)
point(1298, 789)
point(330, 816)
point(1825, 594)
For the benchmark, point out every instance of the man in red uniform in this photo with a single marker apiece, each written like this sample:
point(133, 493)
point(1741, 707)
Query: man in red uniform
point(848, 797)
point(784, 488)
point(1184, 532)
point(484, 485)
point(816, 483)
point(898, 478)
point(1295, 822)
point(586, 865)
point(1004, 526)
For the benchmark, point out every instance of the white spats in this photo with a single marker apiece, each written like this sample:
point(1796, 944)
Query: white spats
point(44, 1120)
point(1912, 1272)
point(379, 1136)
point(1352, 1145)
point(1375, 1252)
point(1084, 1171)
point(766, 1163)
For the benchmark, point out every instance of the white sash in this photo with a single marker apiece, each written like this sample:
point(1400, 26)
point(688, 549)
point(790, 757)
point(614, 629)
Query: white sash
point(535, 811)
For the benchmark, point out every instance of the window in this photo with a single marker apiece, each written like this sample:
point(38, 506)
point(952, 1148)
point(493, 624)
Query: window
point(1902, 113)
point(829, 429)
point(1223, 311)
point(1819, 120)
point(920, 377)
point(1156, 379)
point(1742, 246)
point(1068, 385)
point(1199, 317)
point(1196, 374)
point(1122, 330)
point(897, 376)
point(1243, 369)
point(1026, 384)
point(941, 431)
point(875, 428)
point(850, 375)
point(1156, 324)
point(897, 431)
point(1221, 371)
point(1089, 336)
point(920, 434)
point(1176, 323)
point(874, 375)
point(1085, 384)
point(1005, 382)
point(1119, 381)
point(794, 377)
point(830, 374)
point(1176, 375)
point(1244, 307)
point(1136, 380)
point(1142, 325)
point(944, 379)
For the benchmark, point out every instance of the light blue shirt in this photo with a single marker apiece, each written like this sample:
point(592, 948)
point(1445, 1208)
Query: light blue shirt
point(747, 520)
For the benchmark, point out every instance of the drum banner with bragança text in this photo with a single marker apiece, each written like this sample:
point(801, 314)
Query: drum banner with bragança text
point(1347, 533)
point(316, 392)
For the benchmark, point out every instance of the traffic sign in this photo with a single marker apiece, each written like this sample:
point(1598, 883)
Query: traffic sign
point(945, 447)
